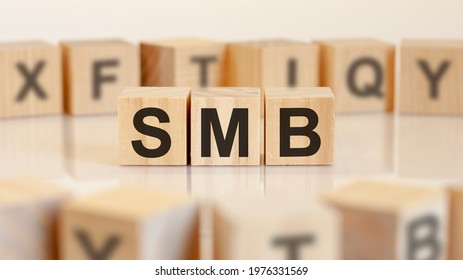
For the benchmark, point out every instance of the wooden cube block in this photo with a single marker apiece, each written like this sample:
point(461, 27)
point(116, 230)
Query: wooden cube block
point(183, 62)
point(130, 223)
point(360, 72)
point(273, 63)
point(456, 223)
point(28, 211)
point(299, 126)
point(225, 126)
point(431, 77)
point(30, 79)
point(275, 229)
point(153, 126)
point(391, 219)
point(95, 72)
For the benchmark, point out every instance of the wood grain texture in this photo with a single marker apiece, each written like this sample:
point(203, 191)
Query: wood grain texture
point(379, 218)
point(416, 89)
point(337, 57)
point(115, 63)
point(225, 100)
point(130, 223)
point(321, 101)
point(256, 228)
point(175, 103)
point(456, 223)
point(41, 63)
point(174, 62)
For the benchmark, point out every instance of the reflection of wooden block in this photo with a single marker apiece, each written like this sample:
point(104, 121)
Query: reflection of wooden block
point(28, 210)
point(183, 62)
point(456, 223)
point(225, 126)
point(95, 72)
point(275, 229)
point(130, 223)
point(153, 126)
point(273, 63)
point(431, 77)
point(30, 79)
point(360, 72)
point(391, 220)
point(299, 126)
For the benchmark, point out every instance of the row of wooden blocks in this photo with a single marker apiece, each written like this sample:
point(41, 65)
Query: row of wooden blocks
point(363, 219)
point(222, 126)
point(86, 76)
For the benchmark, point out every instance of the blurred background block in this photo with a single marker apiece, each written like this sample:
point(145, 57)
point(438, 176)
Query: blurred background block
point(360, 72)
point(30, 79)
point(95, 72)
point(431, 74)
point(275, 229)
point(391, 219)
point(456, 222)
point(130, 223)
point(186, 62)
point(28, 218)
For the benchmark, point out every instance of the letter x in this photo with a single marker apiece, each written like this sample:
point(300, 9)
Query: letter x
point(31, 81)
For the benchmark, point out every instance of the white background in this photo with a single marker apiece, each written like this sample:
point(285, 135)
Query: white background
point(55, 20)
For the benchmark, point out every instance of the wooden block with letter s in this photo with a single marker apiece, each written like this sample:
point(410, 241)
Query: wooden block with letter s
point(294, 229)
point(360, 72)
point(183, 62)
point(95, 72)
point(153, 126)
point(391, 219)
point(29, 210)
point(431, 77)
point(130, 222)
point(30, 79)
point(299, 126)
point(225, 126)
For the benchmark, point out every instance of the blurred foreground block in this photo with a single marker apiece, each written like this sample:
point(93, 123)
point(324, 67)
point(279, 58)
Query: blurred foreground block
point(225, 126)
point(95, 72)
point(360, 72)
point(184, 62)
point(30, 79)
point(130, 223)
point(275, 229)
point(456, 223)
point(28, 216)
point(391, 220)
point(431, 77)
point(153, 126)
point(299, 126)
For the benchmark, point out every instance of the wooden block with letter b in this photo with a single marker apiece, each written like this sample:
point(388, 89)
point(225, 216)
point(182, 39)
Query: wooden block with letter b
point(387, 219)
point(360, 72)
point(183, 62)
point(130, 223)
point(225, 126)
point(153, 126)
point(299, 126)
point(30, 79)
point(29, 210)
point(431, 77)
point(282, 229)
point(95, 72)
